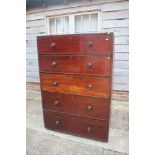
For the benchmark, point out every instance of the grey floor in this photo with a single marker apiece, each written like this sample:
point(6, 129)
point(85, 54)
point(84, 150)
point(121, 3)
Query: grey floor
point(41, 141)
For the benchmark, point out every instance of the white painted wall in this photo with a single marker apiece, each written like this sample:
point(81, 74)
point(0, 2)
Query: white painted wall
point(114, 18)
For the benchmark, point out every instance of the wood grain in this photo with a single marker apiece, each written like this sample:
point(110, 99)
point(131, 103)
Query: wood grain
point(97, 108)
point(89, 128)
point(76, 44)
point(76, 77)
point(94, 65)
point(76, 84)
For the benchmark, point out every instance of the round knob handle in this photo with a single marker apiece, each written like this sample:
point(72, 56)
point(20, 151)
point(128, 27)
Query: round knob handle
point(89, 128)
point(57, 122)
point(89, 65)
point(90, 86)
point(89, 108)
point(52, 45)
point(54, 64)
point(55, 83)
point(56, 102)
point(90, 43)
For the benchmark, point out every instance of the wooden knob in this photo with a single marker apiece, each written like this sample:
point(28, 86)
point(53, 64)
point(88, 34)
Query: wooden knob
point(89, 65)
point(52, 45)
point(54, 64)
point(57, 122)
point(55, 83)
point(89, 128)
point(90, 86)
point(90, 43)
point(56, 102)
point(89, 108)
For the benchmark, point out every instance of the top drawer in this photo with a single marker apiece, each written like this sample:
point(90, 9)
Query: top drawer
point(70, 44)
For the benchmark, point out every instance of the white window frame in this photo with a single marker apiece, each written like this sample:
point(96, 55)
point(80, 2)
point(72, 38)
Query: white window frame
point(53, 17)
point(72, 21)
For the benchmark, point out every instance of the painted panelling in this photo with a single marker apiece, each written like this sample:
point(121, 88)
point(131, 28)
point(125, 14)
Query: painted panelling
point(114, 18)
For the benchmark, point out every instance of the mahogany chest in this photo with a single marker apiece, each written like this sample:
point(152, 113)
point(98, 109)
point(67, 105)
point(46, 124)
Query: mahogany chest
point(76, 76)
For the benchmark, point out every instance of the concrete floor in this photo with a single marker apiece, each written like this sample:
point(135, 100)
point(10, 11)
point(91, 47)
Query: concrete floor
point(41, 141)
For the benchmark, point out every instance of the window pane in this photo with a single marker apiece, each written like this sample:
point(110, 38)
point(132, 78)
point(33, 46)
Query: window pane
point(94, 22)
point(78, 24)
point(66, 24)
point(52, 26)
point(59, 25)
point(85, 23)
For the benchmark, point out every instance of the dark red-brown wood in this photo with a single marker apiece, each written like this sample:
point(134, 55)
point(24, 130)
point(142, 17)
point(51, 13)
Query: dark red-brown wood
point(77, 105)
point(75, 84)
point(76, 79)
point(90, 128)
point(76, 44)
point(75, 64)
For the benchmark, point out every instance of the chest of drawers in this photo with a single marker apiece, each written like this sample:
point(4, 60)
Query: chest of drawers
point(75, 77)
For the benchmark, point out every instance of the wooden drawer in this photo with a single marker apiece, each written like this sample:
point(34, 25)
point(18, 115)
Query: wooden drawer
point(94, 65)
point(85, 127)
point(78, 105)
point(82, 85)
point(85, 43)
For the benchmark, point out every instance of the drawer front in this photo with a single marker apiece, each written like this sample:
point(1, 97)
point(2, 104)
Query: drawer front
point(89, 128)
point(95, 65)
point(86, 43)
point(73, 84)
point(78, 105)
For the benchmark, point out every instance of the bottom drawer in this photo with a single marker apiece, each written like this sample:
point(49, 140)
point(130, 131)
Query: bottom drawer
point(75, 125)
